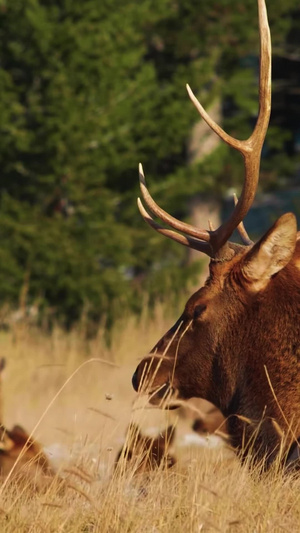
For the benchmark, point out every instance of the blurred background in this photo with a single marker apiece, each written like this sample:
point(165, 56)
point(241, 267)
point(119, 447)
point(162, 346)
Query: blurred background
point(89, 89)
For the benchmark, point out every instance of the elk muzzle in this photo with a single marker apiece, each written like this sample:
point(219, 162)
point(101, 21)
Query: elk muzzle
point(153, 377)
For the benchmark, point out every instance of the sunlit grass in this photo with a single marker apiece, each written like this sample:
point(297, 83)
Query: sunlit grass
point(207, 490)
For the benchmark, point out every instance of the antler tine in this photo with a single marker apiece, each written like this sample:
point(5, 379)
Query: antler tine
point(250, 148)
point(235, 143)
point(190, 242)
point(212, 242)
point(165, 217)
point(241, 228)
point(210, 225)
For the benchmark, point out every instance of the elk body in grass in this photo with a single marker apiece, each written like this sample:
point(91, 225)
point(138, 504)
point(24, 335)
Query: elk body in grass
point(237, 342)
point(145, 453)
point(25, 455)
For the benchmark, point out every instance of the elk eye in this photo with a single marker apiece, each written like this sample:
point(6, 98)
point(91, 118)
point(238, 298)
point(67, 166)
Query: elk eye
point(199, 310)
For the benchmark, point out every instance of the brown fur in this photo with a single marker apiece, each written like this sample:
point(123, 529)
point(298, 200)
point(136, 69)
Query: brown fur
point(146, 453)
point(33, 466)
point(237, 344)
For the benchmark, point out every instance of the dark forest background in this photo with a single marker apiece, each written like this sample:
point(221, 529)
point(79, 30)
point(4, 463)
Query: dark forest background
point(89, 89)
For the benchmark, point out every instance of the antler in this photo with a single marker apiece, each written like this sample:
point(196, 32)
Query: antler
point(241, 228)
point(208, 241)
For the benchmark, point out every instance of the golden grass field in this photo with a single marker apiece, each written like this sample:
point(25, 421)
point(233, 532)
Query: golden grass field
point(207, 490)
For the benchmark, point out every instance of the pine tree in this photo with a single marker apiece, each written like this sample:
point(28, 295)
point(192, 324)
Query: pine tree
point(89, 89)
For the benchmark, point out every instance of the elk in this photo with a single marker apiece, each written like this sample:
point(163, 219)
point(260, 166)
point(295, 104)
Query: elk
point(237, 342)
point(213, 422)
point(32, 464)
point(147, 453)
point(205, 418)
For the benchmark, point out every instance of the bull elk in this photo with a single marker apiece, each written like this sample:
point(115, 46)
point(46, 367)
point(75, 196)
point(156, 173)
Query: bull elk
point(237, 342)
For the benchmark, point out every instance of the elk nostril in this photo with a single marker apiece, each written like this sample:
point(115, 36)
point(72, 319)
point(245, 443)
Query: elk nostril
point(135, 381)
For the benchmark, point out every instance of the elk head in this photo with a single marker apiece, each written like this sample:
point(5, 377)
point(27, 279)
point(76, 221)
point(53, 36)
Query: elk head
point(236, 343)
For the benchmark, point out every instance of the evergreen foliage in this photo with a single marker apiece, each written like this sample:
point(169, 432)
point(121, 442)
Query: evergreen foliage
point(89, 89)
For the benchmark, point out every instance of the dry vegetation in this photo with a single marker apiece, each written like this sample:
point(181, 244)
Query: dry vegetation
point(83, 427)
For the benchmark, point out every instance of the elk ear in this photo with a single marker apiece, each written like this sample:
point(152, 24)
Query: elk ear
point(272, 253)
point(2, 364)
point(18, 435)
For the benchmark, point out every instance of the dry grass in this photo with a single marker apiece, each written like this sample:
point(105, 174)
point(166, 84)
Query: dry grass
point(207, 490)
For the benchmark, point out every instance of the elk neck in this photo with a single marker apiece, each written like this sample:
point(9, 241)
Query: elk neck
point(265, 360)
